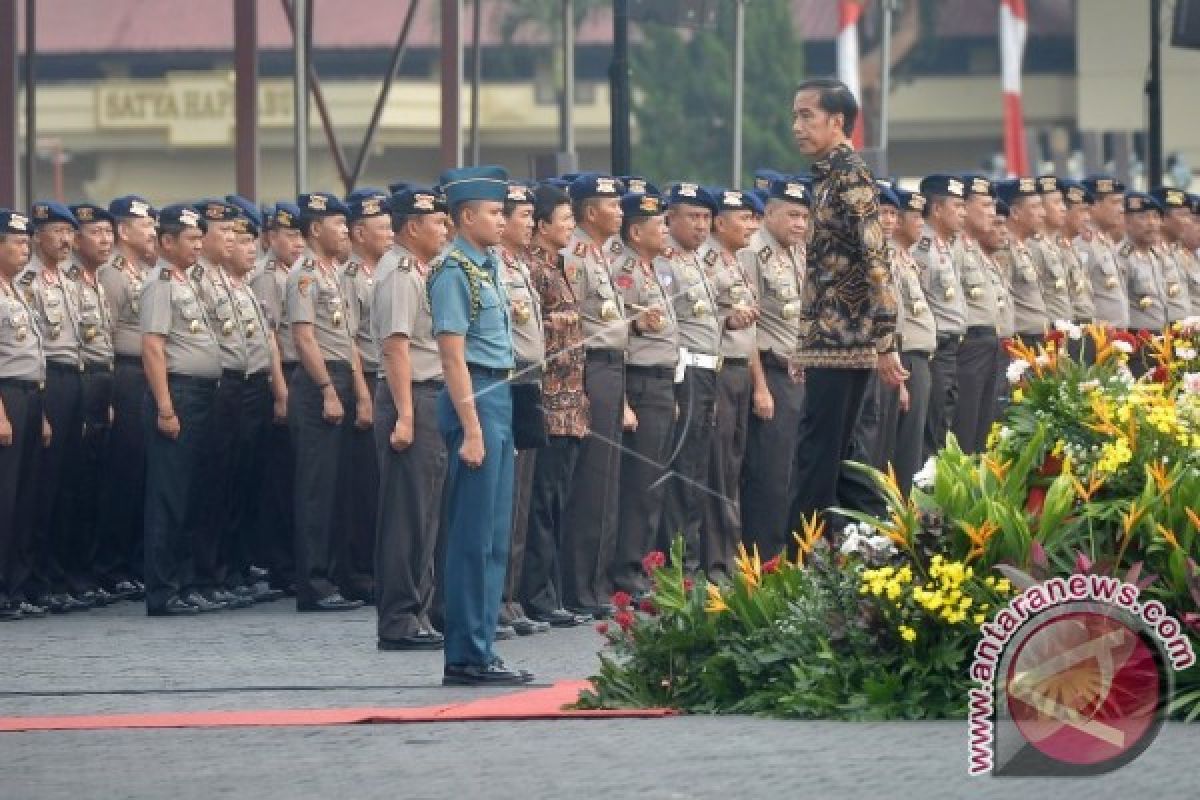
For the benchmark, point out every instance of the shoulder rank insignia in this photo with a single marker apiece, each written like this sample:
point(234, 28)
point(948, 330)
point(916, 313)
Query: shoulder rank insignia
point(309, 264)
point(272, 265)
point(197, 272)
point(629, 264)
point(164, 274)
point(581, 249)
point(924, 244)
point(764, 255)
point(710, 257)
point(26, 278)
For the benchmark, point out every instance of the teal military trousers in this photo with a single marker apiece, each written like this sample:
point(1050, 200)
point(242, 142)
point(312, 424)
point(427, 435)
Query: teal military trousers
point(478, 523)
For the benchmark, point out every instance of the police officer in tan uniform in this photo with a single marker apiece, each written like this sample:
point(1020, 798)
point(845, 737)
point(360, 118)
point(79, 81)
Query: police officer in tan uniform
point(183, 367)
point(1076, 223)
point(775, 276)
point(1189, 252)
point(55, 302)
point(119, 562)
point(22, 377)
point(1098, 250)
point(649, 385)
point(737, 310)
point(591, 517)
point(1025, 214)
point(1174, 259)
point(690, 209)
point(1043, 246)
point(1145, 283)
point(93, 247)
point(327, 399)
point(411, 453)
point(1006, 319)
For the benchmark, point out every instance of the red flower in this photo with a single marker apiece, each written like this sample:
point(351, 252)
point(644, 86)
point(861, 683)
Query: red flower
point(621, 599)
point(646, 606)
point(688, 584)
point(1133, 341)
point(1054, 337)
point(1008, 345)
point(771, 566)
point(624, 618)
point(1160, 374)
point(654, 560)
point(1145, 336)
point(602, 628)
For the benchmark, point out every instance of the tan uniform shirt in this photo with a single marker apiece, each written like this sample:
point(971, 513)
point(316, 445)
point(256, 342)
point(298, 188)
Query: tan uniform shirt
point(1145, 286)
point(269, 282)
point(529, 340)
point(171, 307)
point(400, 307)
point(54, 299)
point(687, 286)
point(587, 269)
point(1098, 255)
point(941, 283)
point(639, 286)
point(775, 278)
point(222, 316)
point(21, 354)
point(1179, 303)
point(1078, 279)
point(314, 295)
point(1024, 286)
point(95, 319)
point(123, 284)
point(1052, 277)
point(733, 291)
point(978, 289)
point(358, 283)
point(915, 323)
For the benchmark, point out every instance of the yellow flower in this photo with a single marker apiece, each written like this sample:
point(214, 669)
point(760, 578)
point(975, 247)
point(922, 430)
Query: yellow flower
point(1003, 586)
point(907, 633)
point(716, 602)
point(749, 566)
point(979, 619)
point(814, 529)
point(1018, 396)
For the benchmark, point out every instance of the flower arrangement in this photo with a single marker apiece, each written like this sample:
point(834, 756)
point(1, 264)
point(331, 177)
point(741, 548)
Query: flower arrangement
point(1090, 470)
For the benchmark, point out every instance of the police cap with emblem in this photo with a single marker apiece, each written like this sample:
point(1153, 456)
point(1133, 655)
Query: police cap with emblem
point(474, 183)
point(87, 213)
point(636, 184)
point(943, 186)
point(286, 215)
point(1100, 185)
point(790, 189)
point(910, 201)
point(1170, 198)
point(643, 205)
point(729, 199)
point(46, 211)
point(763, 178)
point(518, 194)
point(246, 210)
point(1048, 184)
point(364, 205)
point(1074, 192)
point(691, 194)
point(414, 200)
point(887, 195)
point(131, 206)
point(180, 215)
point(215, 210)
point(13, 222)
point(244, 224)
point(321, 204)
point(590, 185)
point(975, 185)
point(1140, 203)
point(1016, 189)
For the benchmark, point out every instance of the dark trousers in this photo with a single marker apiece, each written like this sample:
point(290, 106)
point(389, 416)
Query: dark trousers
point(908, 427)
point(857, 490)
point(722, 528)
point(174, 487)
point(356, 557)
point(833, 400)
point(276, 500)
point(209, 523)
point(590, 532)
point(407, 513)
point(123, 499)
point(524, 465)
point(540, 588)
point(651, 394)
point(478, 516)
point(687, 484)
point(768, 472)
point(868, 430)
point(943, 394)
point(974, 413)
point(18, 467)
point(58, 481)
point(320, 502)
point(97, 397)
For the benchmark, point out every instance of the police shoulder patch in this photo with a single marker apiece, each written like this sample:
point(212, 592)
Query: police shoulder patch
point(629, 264)
point(27, 277)
point(764, 255)
point(925, 243)
point(118, 261)
point(197, 272)
point(164, 274)
point(309, 264)
point(710, 257)
point(272, 265)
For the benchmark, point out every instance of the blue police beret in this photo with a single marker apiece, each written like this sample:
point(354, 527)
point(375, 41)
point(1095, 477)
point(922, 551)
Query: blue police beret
point(1048, 184)
point(415, 200)
point(791, 189)
point(978, 185)
point(474, 183)
point(181, 215)
point(943, 186)
point(244, 224)
point(692, 194)
point(130, 206)
point(757, 204)
point(89, 212)
point(1014, 189)
point(636, 204)
point(398, 186)
point(1140, 202)
point(557, 183)
point(887, 195)
point(321, 204)
point(761, 196)
point(909, 201)
point(1169, 198)
point(1002, 209)
point(590, 185)
point(763, 178)
point(215, 210)
point(286, 215)
point(364, 191)
point(1194, 201)
point(364, 206)
point(46, 211)
point(1074, 192)
point(1103, 184)
point(245, 208)
point(518, 194)
point(636, 184)
point(13, 222)
point(729, 199)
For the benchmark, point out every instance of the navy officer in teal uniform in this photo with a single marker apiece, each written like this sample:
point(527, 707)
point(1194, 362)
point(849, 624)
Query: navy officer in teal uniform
point(471, 323)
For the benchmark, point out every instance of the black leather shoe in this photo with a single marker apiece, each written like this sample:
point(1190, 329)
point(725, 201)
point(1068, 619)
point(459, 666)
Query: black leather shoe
point(174, 607)
point(50, 602)
point(504, 633)
point(229, 598)
point(474, 675)
point(30, 610)
point(10, 612)
point(334, 602)
point(263, 593)
point(524, 626)
point(604, 611)
point(524, 673)
point(202, 603)
point(126, 590)
point(71, 603)
point(417, 642)
point(561, 618)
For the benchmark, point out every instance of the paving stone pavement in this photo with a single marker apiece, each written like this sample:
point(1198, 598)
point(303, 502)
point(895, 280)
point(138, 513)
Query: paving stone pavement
point(118, 660)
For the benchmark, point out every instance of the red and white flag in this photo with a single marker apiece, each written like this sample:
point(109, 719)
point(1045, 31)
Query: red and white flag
point(1013, 27)
point(849, 12)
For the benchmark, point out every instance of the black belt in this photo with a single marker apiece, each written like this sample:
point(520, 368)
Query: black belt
point(58, 366)
point(609, 356)
point(772, 361)
point(238, 375)
point(130, 360)
point(948, 339)
point(21, 383)
point(1083, 320)
point(734, 361)
point(651, 372)
point(925, 354)
point(97, 366)
point(432, 383)
point(495, 373)
point(980, 330)
point(192, 380)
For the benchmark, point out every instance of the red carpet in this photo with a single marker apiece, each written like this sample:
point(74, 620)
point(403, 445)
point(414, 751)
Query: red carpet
point(545, 703)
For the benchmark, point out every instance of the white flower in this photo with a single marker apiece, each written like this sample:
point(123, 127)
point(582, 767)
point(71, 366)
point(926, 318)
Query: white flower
point(1062, 325)
point(1123, 346)
point(1186, 353)
point(1089, 386)
point(1075, 333)
point(882, 545)
point(925, 478)
point(1042, 360)
point(1017, 369)
point(1191, 382)
point(852, 543)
